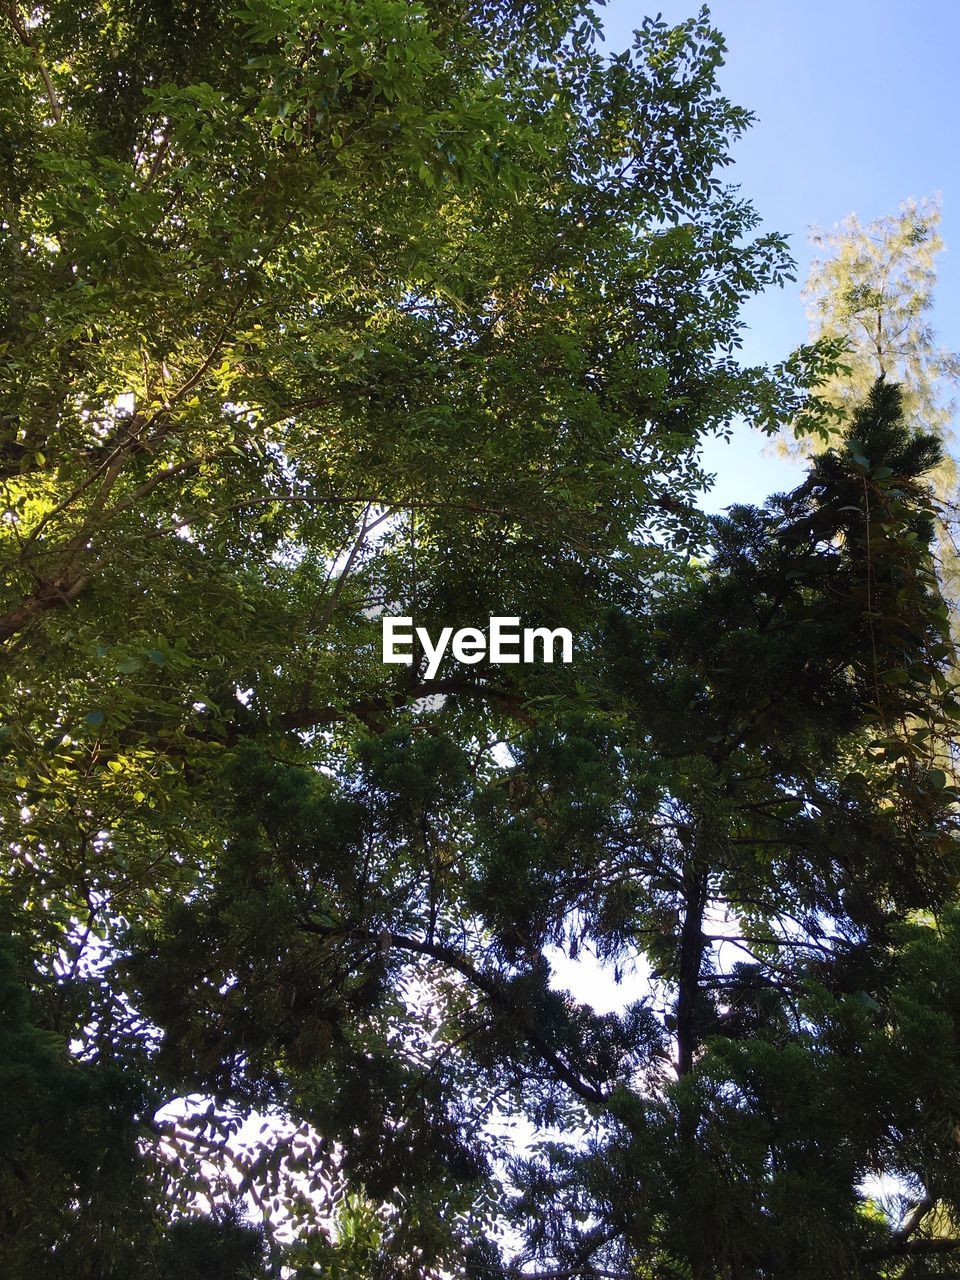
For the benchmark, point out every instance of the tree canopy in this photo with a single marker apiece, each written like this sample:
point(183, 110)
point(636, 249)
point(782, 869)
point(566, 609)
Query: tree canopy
point(317, 310)
point(873, 291)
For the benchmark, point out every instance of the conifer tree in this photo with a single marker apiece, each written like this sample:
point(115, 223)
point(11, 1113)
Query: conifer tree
point(744, 805)
point(871, 288)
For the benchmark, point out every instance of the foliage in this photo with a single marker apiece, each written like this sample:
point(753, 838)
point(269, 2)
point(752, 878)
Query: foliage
point(76, 1192)
point(744, 809)
point(299, 328)
point(872, 290)
point(326, 308)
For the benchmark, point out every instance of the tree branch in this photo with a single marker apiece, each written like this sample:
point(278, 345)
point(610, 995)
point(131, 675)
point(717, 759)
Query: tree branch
point(492, 987)
point(23, 35)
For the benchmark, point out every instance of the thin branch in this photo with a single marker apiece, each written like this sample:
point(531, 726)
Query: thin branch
point(28, 42)
point(915, 1216)
point(491, 986)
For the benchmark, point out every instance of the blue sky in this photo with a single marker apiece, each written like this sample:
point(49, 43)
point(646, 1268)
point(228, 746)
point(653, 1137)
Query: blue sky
point(858, 106)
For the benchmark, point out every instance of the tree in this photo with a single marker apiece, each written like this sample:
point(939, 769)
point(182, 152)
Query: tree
point(290, 314)
point(76, 1190)
point(743, 800)
point(310, 309)
point(872, 290)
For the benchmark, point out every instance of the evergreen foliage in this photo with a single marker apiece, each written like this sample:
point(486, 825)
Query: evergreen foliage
point(322, 309)
point(746, 808)
point(872, 292)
